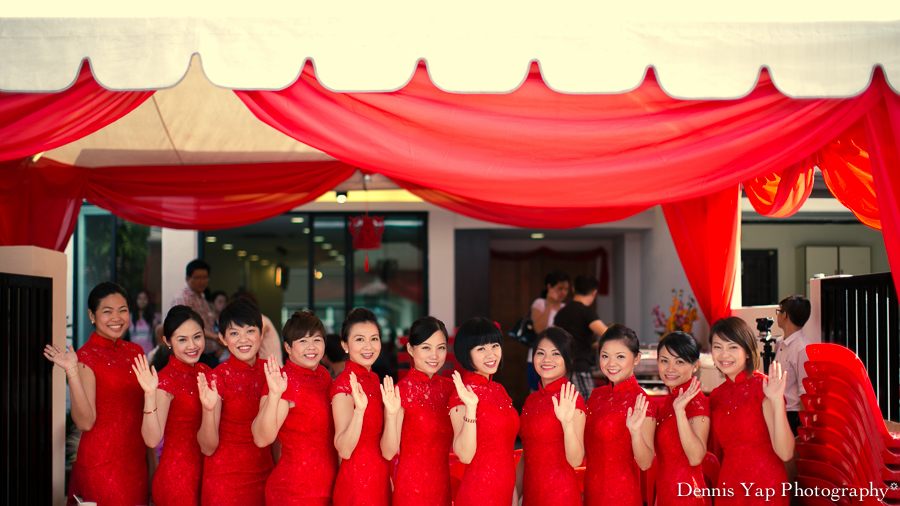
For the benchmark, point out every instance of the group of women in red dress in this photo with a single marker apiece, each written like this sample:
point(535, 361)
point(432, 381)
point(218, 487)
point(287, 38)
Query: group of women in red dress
point(336, 438)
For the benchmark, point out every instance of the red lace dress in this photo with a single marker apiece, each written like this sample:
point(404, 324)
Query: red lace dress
point(308, 465)
point(236, 473)
point(674, 470)
point(423, 471)
point(549, 478)
point(737, 418)
point(490, 478)
point(178, 477)
point(612, 476)
point(363, 479)
point(111, 465)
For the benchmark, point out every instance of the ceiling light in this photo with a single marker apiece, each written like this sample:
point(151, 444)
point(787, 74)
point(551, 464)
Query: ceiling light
point(210, 238)
point(318, 274)
point(242, 253)
point(341, 197)
point(537, 235)
point(227, 247)
point(264, 263)
point(305, 230)
point(333, 253)
point(318, 238)
point(326, 245)
point(297, 219)
point(254, 258)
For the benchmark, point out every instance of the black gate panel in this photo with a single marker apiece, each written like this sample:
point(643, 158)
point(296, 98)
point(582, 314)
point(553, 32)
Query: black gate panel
point(26, 317)
point(861, 313)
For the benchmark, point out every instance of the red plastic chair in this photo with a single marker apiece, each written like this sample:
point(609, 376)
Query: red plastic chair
point(840, 356)
point(830, 421)
point(648, 483)
point(819, 453)
point(824, 472)
point(711, 469)
point(455, 482)
point(517, 454)
point(579, 475)
point(865, 471)
point(810, 482)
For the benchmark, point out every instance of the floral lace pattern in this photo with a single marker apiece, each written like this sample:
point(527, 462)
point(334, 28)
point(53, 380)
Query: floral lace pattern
point(307, 469)
point(423, 471)
point(236, 473)
point(178, 478)
point(612, 476)
point(671, 461)
point(549, 479)
point(111, 466)
point(741, 429)
point(363, 479)
point(490, 478)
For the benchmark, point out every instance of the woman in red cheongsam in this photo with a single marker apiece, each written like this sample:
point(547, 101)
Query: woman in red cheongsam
point(621, 421)
point(682, 425)
point(416, 420)
point(552, 431)
point(358, 411)
point(235, 470)
point(111, 465)
point(485, 423)
point(750, 419)
point(296, 408)
point(172, 407)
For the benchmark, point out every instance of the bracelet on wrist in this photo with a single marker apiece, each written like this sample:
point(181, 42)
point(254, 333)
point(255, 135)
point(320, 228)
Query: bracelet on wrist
point(468, 420)
point(73, 375)
point(150, 412)
point(69, 369)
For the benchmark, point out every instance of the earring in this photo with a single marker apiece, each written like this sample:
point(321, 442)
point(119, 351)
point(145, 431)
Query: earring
point(170, 347)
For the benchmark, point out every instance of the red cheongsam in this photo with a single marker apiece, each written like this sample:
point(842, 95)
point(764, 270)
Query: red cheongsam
point(178, 478)
point(737, 418)
point(490, 478)
point(363, 479)
point(111, 465)
point(677, 479)
point(236, 473)
point(549, 478)
point(423, 472)
point(308, 465)
point(612, 476)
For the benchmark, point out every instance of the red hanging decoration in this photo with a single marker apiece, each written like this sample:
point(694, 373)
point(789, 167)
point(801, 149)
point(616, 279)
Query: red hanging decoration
point(366, 231)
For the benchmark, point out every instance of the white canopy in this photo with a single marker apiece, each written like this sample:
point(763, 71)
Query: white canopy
point(708, 49)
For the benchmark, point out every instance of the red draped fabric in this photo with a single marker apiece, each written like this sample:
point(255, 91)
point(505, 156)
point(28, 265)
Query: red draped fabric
point(706, 232)
point(31, 123)
point(782, 193)
point(883, 135)
point(39, 203)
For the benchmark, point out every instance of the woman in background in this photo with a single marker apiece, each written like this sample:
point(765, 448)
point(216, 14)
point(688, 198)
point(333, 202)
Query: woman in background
point(144, 319)
point(543, 312)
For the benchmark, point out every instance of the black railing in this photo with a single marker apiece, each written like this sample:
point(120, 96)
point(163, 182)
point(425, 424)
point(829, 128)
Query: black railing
point(26, 315)
point(861, 313)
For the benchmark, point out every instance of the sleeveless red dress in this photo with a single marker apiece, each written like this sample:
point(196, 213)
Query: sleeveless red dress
point(612, 476)
point(737, 418)
point(308, 465)
point(236, 473)
point(490, 478)
point(363, 479)
point(423, 471)
point(549, 478)
point(111, 466)
point(677, 479)
point(178, 478)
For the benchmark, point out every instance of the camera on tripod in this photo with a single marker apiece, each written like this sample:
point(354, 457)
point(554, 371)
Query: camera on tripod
point(764, 326)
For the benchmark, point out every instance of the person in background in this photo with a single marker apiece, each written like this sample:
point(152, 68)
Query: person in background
point(144, 319)
point(271, 343)
point(792, 314)
point(580, 319)
point(543, 313)
point(196, 281)
point(335, 357)
point(217, 301)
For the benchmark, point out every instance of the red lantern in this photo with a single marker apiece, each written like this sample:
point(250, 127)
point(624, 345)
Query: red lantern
point(366, 231)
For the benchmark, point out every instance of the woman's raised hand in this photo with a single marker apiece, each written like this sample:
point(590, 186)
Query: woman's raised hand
point(774, 385)
point(390, 394)
point(65, 359)
point(465, 393)
point(564, 408)
point(686, 395)
point(146, 376)
point(635, 417)
point(276, 380)
point(209, 396)
point(360, 401)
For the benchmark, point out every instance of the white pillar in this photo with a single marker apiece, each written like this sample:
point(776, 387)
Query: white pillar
point(178, 248)
point(441, 267)
point(632, 297)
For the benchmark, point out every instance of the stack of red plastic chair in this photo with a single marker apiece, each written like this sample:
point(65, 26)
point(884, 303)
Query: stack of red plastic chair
point(844, 442)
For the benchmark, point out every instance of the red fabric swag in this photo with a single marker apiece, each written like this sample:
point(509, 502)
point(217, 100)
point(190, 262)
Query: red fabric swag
point(883, 135)
point(39, 204)
point(706, 231)
point(31, 123)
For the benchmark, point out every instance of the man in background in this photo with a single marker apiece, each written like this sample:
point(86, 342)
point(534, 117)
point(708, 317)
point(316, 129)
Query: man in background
point(192, 295)
point(791, 315)
point(580, 319)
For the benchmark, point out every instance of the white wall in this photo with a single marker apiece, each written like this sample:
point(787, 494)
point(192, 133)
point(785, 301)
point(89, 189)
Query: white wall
point(178, 248)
